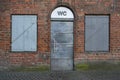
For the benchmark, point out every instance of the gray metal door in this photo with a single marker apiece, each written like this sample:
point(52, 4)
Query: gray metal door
point(61, 45)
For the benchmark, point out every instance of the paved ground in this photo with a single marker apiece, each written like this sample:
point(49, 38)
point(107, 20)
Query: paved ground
point(69, 75)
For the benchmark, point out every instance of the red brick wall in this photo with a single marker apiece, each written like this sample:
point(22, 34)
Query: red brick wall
point(43, 9)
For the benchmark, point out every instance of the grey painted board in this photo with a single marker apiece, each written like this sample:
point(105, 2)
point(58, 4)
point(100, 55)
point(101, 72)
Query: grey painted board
point(61, 45)
point(30, 36)
point(97, 33)
point(17, 29)
point(24, 32)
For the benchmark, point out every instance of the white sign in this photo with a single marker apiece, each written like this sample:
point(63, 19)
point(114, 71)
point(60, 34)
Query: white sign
point(62, 12)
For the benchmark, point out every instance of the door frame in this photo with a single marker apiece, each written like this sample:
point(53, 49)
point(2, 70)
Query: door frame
point(60, 19)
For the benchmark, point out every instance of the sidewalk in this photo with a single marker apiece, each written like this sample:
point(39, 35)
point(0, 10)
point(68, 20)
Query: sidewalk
point(66, 75)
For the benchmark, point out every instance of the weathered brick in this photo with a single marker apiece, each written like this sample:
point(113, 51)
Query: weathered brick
point(43, 9)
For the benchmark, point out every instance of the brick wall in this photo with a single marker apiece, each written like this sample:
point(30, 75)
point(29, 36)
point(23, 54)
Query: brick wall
point(43, 9)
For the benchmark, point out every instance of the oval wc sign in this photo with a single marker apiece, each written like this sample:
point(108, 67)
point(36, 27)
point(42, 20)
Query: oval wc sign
point(62, 12)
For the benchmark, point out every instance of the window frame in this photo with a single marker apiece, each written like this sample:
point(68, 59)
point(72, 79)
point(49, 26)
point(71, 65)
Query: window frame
point(99, 51)
point(23, 51)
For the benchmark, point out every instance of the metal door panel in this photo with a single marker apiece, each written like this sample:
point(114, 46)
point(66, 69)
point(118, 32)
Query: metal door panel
point(62, 38)
point(62, 27)
point(62, 64)
point(62, 50)
point(62, 46)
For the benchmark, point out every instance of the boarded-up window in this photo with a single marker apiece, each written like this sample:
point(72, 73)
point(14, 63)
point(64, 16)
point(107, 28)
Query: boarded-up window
point(24, 33)
point(96, 33)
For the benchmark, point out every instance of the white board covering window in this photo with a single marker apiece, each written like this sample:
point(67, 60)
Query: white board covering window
point(96, 33)
point(24, 33)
